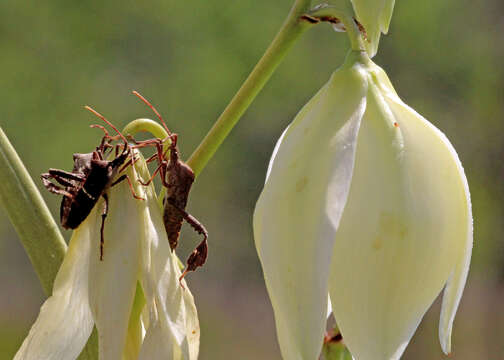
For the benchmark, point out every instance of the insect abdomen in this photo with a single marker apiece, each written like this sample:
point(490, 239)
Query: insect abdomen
point(86, 197)
point(78, 209)
point(172, 219)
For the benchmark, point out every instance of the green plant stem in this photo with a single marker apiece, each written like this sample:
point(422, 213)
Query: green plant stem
point(34, 225)
point(30, 216)
point(290, 31)
point(336, 351)
point(343, 12)
point(148, 125)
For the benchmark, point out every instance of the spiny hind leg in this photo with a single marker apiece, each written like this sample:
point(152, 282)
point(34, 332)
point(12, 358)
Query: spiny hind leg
point(102, 228)
point(126, 177)
point(200, 253)
point(52, 187)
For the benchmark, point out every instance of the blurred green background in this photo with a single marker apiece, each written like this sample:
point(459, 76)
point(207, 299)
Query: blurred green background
point(188, 58)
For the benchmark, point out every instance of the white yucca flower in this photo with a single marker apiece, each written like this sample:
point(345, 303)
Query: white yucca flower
point(88, 292)
point(367, 201)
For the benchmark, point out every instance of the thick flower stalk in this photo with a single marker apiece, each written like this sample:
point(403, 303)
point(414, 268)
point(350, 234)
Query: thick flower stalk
point(365, 200)
point(161, 323)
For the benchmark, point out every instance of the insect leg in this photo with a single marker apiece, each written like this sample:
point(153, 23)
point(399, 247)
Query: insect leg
point(145, 143)
point(105, 142)
point(163, 164)
point(199, 255)
point(101, 128)
point(53, 188)
point(158, 143)
point(128, 163)
point(104, 215)
point(63, 178)
point(66, 175)
point(63, 181)
point(131, 162)
point(126, 177)
point(196, 259)
point(152, 158)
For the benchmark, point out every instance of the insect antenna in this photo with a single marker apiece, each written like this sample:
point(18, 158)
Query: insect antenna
point(153, 109)
point(110, 124)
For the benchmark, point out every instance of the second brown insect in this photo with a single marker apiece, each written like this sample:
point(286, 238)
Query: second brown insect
point(177, 177)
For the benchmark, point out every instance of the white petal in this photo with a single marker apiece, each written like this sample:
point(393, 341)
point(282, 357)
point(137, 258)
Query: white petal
point(463, 249)
point(159, 344)
point(275, 151)
point(65, 322)
point(295, 223)
point(173, 316)
point(112, 282)
point(404, 229)
point(168, 340)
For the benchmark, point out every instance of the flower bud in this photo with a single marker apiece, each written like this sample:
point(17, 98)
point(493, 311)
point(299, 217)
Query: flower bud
point(375, 16)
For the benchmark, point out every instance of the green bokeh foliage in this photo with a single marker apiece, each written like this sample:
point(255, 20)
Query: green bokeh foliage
point(444, 58)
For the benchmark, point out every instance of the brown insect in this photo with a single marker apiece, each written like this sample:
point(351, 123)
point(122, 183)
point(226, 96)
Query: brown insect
point(177, 177)
point(89, 180)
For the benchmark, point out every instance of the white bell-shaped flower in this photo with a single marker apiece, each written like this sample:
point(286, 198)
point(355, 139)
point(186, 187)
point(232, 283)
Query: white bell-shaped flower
point(367, 201)
point(161, 324)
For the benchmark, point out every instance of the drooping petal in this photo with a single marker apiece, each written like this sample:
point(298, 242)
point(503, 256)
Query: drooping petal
point(375, 16)
point(168, 340)
point(173, 331)
point(463, 249)
point(298, 212)
point(113, 280)
point(65, 322)
point(404, 231)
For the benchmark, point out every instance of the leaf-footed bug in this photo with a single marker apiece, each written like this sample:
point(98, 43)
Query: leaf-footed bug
point(177, 177)
point(89, 180)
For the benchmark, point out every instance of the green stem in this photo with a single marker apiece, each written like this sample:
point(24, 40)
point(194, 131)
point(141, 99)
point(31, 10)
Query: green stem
point(34, 225)
point(145, 125)
point(343, 12)
point(334, 348)
point(290, 31)
point(30, 216)
point(336, 351)
point(148, 125)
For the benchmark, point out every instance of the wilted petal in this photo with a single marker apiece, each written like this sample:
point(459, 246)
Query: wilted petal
point(168, 340)
point(375, 16)
point(173, 331)
point(405, 229)
point(65, 322)
point(298, 212)
point(113, 280)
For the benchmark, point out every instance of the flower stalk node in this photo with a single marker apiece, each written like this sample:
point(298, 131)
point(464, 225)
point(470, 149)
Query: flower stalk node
point(343, 20)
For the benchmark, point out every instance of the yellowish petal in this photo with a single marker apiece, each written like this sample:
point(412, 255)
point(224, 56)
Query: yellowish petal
point(173, 331)
point(462, 218)
point(298, 212)
point(404, 231)
point(65, 322)
point(113, 280)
